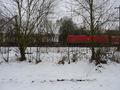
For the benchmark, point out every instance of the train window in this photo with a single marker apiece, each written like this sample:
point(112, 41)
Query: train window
point(117, 39)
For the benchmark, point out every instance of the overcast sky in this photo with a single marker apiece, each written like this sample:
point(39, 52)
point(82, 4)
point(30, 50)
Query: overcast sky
point(61, 10)
point(61, 6)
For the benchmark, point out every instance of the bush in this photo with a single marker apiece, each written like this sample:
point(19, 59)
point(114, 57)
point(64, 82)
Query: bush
point(62, 61)
point(100, 55)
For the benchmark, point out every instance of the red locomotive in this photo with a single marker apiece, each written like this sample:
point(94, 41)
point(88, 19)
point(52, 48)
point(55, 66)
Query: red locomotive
point(73, 39)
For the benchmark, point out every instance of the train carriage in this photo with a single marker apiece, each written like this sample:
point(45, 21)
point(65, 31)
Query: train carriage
point(105, 40)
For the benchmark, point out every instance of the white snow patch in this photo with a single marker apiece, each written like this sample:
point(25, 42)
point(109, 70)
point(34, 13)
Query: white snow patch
point(45, 75)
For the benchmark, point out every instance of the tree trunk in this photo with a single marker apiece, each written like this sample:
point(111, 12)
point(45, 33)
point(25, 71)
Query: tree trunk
point(22, 53)
point(118, 48)
point(92, 29)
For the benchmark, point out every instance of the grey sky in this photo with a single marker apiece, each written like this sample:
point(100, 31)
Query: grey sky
point(61, 10)
point(63, 4)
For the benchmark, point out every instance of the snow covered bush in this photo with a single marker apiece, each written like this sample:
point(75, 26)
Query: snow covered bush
point(62, 61)
point(75, 57)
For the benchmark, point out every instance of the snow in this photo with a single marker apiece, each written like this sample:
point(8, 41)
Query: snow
point(49, 75)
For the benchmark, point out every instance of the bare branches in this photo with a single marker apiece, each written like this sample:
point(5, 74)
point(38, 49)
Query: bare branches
point(29, 14)
point(83, 7)
point(102, 11)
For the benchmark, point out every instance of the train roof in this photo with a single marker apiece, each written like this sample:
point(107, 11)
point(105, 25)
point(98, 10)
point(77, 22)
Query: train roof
point(88, 35)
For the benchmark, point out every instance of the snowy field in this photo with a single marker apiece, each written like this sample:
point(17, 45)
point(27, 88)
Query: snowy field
point(49, 75)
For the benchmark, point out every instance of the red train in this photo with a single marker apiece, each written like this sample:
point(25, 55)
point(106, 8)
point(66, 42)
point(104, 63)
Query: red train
point(73, 39)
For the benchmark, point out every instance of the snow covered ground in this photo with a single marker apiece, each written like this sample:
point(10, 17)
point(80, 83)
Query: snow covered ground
point(49, 75)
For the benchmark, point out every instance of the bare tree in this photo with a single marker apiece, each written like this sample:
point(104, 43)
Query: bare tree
point(96, 13)
point(28, 14)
